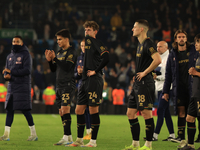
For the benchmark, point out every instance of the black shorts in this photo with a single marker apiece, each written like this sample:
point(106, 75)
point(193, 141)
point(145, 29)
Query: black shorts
point(142, 96)
point(183, 98)
point(193, 108)
point(64, 96)
point(90, 92)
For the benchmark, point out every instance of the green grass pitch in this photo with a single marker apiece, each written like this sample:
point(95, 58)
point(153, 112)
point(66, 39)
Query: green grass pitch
point(114, 133)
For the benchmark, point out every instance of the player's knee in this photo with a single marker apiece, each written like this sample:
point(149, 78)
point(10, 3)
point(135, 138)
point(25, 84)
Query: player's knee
point(94, 110)
point(65, 110)
point(128, 113)
point(146, 114)
point(131, 115)
point(79, 111)
point(60, 112)
point(190, 119)
point(181, 114)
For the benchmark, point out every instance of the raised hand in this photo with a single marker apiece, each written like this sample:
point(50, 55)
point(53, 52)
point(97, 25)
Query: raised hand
point(53, 55)
point(48, 55)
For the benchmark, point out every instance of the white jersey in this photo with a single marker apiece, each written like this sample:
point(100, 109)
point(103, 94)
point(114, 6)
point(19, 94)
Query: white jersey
point(159, 81)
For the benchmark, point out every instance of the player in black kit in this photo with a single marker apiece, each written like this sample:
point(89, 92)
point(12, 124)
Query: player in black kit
point(194, 104)
point(142, 95)
point(63, 63)
point(90, 93)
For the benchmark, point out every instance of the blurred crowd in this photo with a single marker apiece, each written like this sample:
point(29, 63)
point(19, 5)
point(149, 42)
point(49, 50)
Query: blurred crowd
point(115, 19)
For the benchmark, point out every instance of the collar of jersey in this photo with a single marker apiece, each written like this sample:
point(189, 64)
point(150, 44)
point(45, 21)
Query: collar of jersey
point(145, 39)
point(65, 49)
point(182, 51)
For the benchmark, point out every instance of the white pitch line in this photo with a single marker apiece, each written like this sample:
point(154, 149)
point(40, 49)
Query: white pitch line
point(55, 116)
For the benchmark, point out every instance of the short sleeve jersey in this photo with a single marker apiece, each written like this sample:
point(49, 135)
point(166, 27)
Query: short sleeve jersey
point(64, 77)
point(196, 81)
point(94, 49)
point(143, 56)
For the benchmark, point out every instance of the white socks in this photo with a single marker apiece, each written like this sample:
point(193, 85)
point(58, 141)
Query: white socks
point(32, 129)
point(136, 143)
point(148, 144)
point(7, 131)
point(81, 139)
point(70, 138)
point(155, 135)
point(93, 141)
point(172, 135)
point(67, 137)
point(88, 131)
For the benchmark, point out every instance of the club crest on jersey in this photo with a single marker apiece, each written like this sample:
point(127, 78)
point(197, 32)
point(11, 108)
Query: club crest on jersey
point(188, 53)
point(70, 56)
point(88, 41)
point(64, 53)
point(18, 60)
point(102, 48)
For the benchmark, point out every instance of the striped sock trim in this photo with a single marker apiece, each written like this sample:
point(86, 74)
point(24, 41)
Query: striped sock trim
point(134, 123)
point(80, 124)
point(191, 127)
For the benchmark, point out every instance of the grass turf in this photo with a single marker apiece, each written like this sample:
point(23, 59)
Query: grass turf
point(114, 133)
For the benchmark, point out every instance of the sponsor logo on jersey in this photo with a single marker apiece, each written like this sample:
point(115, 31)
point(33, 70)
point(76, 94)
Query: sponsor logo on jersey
point(183, 61)
point(197, 67)
point(87, 47)
point(138, 55)
point(152, 50)
point(61, 58)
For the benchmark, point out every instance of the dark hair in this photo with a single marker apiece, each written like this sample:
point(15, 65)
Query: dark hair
point(91, 24)
point(143, 22)
point(197, 38)
point(17, 36)
point(64, 33)
point(83, 40)
point(175, 44)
